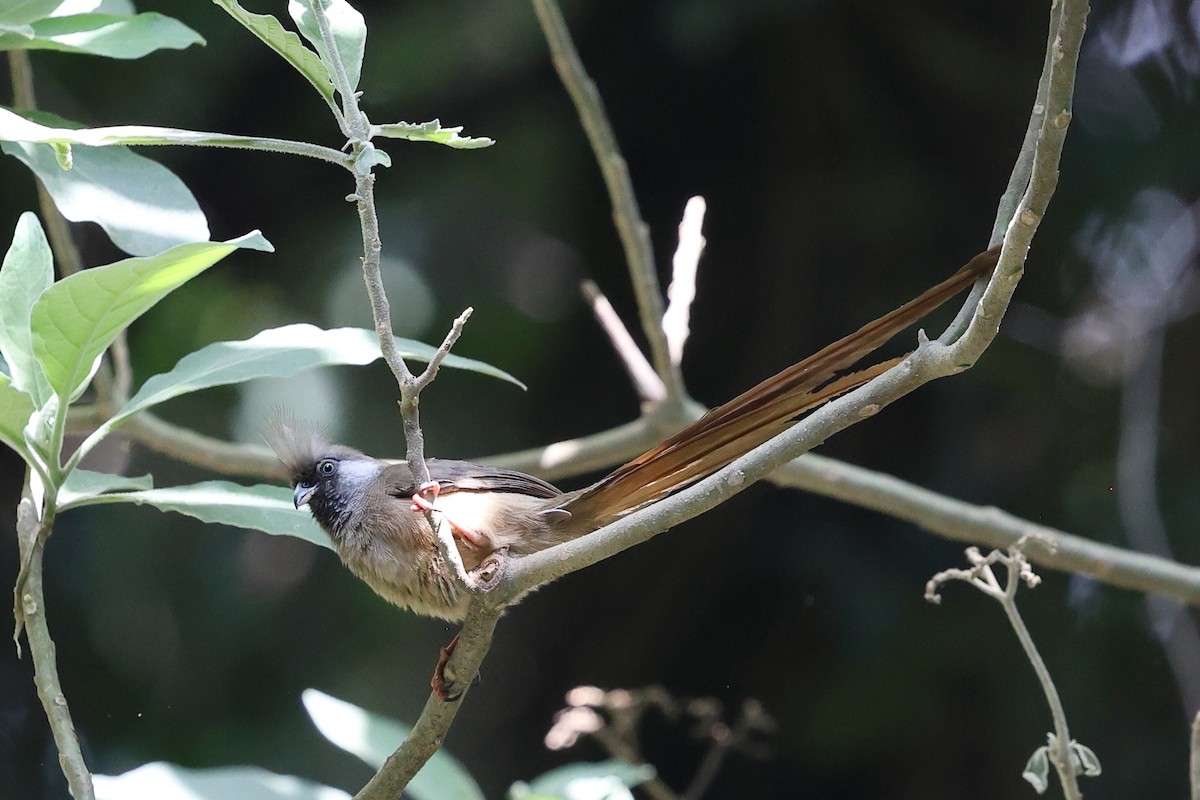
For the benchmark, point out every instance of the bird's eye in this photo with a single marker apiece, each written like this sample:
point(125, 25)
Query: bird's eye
point(326, 467)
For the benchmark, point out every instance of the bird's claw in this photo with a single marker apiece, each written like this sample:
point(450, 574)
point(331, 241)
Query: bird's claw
point(420, 503)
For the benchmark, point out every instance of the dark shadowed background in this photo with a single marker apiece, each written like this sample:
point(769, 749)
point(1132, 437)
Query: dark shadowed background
point(851, 153)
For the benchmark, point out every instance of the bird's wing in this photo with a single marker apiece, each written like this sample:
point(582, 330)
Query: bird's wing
point(466, 476)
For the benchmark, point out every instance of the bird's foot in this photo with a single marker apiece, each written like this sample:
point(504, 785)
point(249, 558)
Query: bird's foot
point(446, 688)
point(425, 499)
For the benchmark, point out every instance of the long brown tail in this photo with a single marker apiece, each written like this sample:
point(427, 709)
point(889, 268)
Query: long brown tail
point(751, 418)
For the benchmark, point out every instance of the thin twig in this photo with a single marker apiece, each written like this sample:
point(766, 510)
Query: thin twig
point(634, 233)
point(1022, 170)
point(1060, 746)
point(430, 729)
point(990, 527)
point(649, 386)
point(682, 290)
point(475, 638)
point(431, 370)
point(1066, 36)
point(1019, 179)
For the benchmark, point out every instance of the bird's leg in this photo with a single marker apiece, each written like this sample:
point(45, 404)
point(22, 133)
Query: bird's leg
point(441, 688)
point(445, 689)
point(421, 503)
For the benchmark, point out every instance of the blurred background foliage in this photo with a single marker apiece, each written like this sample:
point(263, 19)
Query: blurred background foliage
point(851, 154)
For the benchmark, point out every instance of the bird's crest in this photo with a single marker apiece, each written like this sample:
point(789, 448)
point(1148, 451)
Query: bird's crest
point(296, 442)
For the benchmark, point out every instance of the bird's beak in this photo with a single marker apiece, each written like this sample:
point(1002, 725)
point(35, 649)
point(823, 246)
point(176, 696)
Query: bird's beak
point(303, 493)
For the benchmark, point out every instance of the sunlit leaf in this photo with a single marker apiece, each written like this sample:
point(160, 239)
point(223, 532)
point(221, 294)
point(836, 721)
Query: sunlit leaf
point(105, 35)
point(161, 781)
point(431, 131)
point(373, 737)
point(142, 206)
point(279, 353)
point(22, 12)
point(27, 272)
point(349, 34)
point(269, 509)
point(82, 484)
point(286, 43)
point(76, 319)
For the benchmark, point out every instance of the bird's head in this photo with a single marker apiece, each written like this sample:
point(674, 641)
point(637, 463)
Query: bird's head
point(331, 479)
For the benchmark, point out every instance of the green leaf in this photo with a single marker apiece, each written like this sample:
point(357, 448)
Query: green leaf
point(76, 319)
point(287, 44)
point(27, 272)
point(142, 206)
point(82, 484)
point(261, 507)
point(279, 353)
point(1089, 763)
point(373, 737)
point(431, 131)
point(349, 34)
point(1037, 770)
point(105, 35)
point(21, 12)
point(604, 780)
point(368, 157)
point(23, 31)
point(16, 407)
point(162, 781)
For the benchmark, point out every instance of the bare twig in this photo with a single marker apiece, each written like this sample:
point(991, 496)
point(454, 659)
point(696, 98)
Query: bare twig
point(1063, 752)
point(649, 386)
point(682, 290)
point(991, 527)
point(1067, 24)
point(435, 363)
point(475, 638)
point(634, 233)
